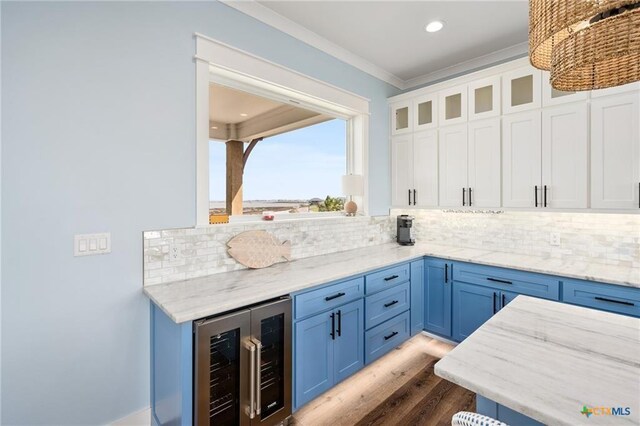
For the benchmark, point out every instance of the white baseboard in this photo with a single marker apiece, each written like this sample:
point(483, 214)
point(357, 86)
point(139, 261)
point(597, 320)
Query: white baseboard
point(139, 418)
point(442, 339)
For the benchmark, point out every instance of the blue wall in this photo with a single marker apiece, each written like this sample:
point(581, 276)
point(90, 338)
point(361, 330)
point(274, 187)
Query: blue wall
point(98, 113)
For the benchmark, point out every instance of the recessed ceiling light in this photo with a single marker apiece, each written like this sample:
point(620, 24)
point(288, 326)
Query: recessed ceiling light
point(214, 127)
point(243, 114)
point(434, 26)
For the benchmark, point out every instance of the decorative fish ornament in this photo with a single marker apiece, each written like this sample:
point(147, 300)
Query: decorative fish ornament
point(258, 249)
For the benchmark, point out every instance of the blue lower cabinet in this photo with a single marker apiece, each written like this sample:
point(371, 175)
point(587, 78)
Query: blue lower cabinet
point(348, 350)
point(605, 297)
point(437, 296)
point(387, 304)
point(417, 296)
point(506, 415)
point(472, 306)
point(383, 338)
point(328, 348)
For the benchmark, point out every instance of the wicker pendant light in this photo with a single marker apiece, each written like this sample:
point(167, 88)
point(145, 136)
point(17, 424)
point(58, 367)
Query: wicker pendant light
point(586, 44)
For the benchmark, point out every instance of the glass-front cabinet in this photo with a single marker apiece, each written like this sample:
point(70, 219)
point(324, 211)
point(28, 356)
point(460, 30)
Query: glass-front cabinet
point(484, 98)
point(401, 118)
point(521, 90)
point(453, 105)
point(426, 112)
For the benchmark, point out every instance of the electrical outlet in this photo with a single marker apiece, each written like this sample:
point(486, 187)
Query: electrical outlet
point(554, 239)
point(174, 252)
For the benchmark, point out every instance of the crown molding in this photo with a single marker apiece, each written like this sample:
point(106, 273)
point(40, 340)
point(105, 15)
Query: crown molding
point(287, 26)
point(297, 31)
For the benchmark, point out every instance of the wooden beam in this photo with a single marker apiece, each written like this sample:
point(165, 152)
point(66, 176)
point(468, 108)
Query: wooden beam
point(247, 152)
point(235, 169)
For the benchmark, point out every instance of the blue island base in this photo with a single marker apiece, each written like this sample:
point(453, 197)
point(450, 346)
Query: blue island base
point(506, 415)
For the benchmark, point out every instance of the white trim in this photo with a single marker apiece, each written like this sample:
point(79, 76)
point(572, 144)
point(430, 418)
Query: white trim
point(287, 26)
point(219, 62)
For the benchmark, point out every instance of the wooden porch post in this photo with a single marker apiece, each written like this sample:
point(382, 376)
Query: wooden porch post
point(235, 170)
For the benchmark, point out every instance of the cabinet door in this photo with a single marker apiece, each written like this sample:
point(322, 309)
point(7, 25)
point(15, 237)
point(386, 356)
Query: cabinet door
point(453, 106)
point(472, 306)
point(484, 163)
point(551, 96)
point(521, 159)
point(425, 168)
point(348, 351)
point(401, 170)
point(437, 296)
point(564, 156)
point(452, 147)
point(401, 118)
point(630, 87)
point(417, 296)
point(484, 98)
point(506, 297)
point(313, 358)
point(615, 152)
point(521, 90)
point(425, 112)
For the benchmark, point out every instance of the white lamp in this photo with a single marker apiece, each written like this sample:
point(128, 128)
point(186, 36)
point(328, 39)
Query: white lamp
point(352, 185)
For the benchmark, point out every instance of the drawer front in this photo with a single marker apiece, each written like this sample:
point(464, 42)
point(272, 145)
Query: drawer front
point(606, 297)
point(326, 298)
point(385, 337)
point(386, 278)
point(520, 282)
point(386, 304)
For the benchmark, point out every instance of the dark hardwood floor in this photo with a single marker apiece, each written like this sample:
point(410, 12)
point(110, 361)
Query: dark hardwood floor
point(400, 389)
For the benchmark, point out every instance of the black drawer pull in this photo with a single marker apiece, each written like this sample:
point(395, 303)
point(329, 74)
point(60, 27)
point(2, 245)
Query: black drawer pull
point(335, 296)
point(392, 277)
point(386, 305)
point(390, 336)
point(496, 280)
point(621, 302)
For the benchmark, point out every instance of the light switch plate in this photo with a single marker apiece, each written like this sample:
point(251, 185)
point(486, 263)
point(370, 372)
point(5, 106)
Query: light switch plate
point(90, 244)
point(554, 239)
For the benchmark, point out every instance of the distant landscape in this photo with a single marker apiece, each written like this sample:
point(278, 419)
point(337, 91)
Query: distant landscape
point(290, 206)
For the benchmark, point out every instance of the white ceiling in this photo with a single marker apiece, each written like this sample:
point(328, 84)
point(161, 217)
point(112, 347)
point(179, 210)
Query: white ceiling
point(387, 38)
point(226, 105)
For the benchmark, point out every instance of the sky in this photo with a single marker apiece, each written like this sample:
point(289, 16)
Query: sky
point(302, 164)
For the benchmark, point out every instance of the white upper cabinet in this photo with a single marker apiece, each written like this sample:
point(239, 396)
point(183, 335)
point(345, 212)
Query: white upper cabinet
point(521, 159)
point(401, 118)
point(452, 147)
point(551, 96)
point(453, 105)
point(631, 87)
point(615, 152)
point(401, 169)
point(484, 163)
point(521, 90)
point(425, 168)
point(484, 98)
point(565, 156)
point(425, 112)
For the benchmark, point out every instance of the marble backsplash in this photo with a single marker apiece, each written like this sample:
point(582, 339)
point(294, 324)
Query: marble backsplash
point(203, 251)
point(604, 238)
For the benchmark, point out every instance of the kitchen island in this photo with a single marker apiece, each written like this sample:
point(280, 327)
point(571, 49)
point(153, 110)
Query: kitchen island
point(553, 363)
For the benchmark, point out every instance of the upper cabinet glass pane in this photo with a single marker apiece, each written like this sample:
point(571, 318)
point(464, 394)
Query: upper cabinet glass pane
point(559, 93)
point(402, 118)
point(483, 99)
point(453, 106)
point(425, 113)
point(522, 90)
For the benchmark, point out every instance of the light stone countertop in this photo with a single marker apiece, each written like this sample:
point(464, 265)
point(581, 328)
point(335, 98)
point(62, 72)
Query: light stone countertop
point(547, 360)
point(200, 297)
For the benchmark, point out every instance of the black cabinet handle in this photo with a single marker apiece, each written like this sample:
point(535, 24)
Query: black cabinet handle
point(333, 327)
point(496, 280)
point(415, 199)
point(620, 302)
point(390, 336)
point(535, 192)
point(545, 195)
point(469, 197)
point(639, 195)
point(463, 196)
point(339, 330)
point(392, 277)
point(446, 273)
point(335, 296)
point(503, 300)
point(494, 302)
point(386, 305)
point(409, 196)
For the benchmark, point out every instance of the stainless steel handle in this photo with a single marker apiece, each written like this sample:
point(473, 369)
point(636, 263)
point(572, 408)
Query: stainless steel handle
point(258, 368)
point(252, 378)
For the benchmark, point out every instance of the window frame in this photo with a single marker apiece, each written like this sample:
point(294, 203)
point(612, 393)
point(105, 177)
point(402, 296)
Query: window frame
point(223, 64)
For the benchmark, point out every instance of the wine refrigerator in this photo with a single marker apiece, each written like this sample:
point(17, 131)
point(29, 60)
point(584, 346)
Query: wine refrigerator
point(243, 367)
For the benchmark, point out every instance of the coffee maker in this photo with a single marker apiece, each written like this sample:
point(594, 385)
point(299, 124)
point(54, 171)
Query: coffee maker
point(405, 230)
